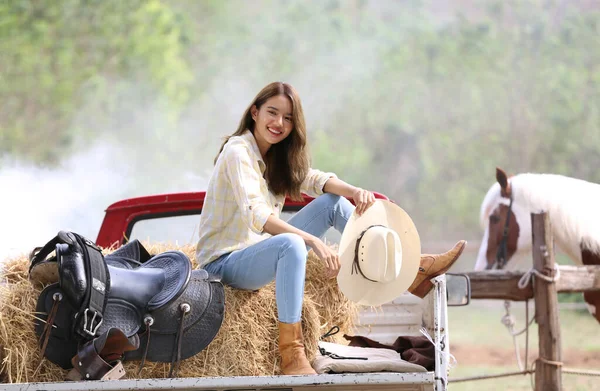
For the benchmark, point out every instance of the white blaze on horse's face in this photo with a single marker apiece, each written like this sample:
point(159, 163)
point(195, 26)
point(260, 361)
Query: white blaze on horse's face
point(481, 263)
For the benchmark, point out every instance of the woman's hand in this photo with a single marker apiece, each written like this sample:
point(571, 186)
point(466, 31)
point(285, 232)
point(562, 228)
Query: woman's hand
point(363, 199)
point(329, 257)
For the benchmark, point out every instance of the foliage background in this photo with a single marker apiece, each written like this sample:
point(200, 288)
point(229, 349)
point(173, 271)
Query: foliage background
point(417, 99)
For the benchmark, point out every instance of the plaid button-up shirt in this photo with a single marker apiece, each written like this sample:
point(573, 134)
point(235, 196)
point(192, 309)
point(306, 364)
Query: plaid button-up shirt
point(238, 201)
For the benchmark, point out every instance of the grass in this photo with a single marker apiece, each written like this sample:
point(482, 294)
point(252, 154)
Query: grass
point(514, 383)
point(483, 346)
point(480, 323)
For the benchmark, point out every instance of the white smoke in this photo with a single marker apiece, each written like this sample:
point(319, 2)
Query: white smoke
point(36, 202)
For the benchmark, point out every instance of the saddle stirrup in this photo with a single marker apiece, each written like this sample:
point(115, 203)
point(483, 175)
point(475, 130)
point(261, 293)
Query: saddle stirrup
point(100, 358)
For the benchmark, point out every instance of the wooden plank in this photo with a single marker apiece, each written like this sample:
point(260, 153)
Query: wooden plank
point(548, 375)
point(502, 285)
point(578, 279)
point(498, 284)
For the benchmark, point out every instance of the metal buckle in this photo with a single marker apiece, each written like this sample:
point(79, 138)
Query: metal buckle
point(91, 331)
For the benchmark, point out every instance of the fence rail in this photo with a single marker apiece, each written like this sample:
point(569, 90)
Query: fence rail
point(542, 283)
point(503, 285)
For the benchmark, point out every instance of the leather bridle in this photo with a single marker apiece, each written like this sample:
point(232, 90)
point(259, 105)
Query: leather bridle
point(502, 252)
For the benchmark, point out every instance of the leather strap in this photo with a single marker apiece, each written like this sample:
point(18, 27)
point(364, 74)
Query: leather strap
point(356, 262)
point(148, 321)
point(93, 360)
point(57, 297)
point(337, 356)
point(91, 314)
point(116, 373)
point(502, 252)
point(39, 254)
point(176, 358)
point(89, 363)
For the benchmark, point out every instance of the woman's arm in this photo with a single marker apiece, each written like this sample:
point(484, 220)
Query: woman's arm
point(339, 187)
point(274, 226)
point(363, 199)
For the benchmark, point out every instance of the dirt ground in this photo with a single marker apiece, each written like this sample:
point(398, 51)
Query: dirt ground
point(492, 356)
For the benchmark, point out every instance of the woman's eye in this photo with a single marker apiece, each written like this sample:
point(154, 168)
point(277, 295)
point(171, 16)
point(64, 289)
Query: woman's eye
point(272, 112)
point(494, 219)
point(288, 119)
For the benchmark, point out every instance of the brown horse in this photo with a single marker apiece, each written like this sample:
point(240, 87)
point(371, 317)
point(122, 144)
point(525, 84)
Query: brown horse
point(573, 206)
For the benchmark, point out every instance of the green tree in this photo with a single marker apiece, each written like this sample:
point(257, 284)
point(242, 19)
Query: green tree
point(55, 55)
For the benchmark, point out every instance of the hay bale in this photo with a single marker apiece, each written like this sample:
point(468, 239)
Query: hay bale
point(333, 307)
point(246, 344)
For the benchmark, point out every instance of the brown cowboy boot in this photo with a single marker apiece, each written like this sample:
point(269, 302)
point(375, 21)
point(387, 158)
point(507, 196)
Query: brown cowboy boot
point(433, 265)
point(291, 349)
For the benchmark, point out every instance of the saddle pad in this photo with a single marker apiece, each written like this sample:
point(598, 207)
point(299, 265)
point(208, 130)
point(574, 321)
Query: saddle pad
point(206, 298)
point(354, 359)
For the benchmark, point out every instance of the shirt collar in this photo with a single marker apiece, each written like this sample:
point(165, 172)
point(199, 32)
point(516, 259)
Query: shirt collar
point(249, 138)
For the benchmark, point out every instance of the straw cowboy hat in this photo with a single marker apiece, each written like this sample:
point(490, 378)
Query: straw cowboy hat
point(380, 253)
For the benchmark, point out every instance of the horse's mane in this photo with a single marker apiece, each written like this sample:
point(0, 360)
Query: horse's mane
point(573, 204)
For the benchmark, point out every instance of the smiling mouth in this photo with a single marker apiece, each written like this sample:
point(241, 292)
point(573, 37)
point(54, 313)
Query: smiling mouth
point(274, 132)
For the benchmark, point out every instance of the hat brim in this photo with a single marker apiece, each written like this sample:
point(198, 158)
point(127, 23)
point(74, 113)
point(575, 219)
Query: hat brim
point(357, 288)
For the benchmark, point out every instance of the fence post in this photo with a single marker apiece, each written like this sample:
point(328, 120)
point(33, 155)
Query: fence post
point(548, 370)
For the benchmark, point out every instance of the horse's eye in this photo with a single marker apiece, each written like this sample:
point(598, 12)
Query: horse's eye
point(494, 219)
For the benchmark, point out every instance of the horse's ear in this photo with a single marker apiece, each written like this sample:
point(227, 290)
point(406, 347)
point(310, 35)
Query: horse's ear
point(502, 179)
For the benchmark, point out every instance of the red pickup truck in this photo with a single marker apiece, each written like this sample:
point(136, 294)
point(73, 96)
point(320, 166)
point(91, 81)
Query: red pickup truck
point(174, 218)
point(122, 216)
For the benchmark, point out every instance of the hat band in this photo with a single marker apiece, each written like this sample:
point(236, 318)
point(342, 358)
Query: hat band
point(355, 263)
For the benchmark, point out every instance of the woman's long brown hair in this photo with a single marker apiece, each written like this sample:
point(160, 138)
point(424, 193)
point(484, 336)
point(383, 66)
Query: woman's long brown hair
point(287, 161)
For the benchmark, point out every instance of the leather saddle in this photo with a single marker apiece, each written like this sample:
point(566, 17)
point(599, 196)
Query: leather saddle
point(163, 310)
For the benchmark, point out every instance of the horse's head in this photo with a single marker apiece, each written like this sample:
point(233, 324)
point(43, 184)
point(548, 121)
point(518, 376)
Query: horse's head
point(504, 224)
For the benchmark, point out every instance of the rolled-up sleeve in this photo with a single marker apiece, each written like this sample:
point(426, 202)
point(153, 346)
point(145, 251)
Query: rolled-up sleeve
point(246, 181)
point(315, 181)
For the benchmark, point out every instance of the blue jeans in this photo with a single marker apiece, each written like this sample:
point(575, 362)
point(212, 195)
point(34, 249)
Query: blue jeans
point(283, 257)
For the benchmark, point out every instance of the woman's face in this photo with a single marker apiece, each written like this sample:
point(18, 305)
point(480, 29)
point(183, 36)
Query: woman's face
point(273, 121)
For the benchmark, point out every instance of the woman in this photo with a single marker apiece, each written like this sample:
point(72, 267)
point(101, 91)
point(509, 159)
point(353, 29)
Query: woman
point(242, 238)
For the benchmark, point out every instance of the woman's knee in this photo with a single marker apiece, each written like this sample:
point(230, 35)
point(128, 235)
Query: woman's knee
point(336, 201)
point(331, 199)
point(292, 244)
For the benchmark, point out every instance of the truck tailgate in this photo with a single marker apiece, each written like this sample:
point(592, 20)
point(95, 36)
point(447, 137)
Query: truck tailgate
point(420, 381)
